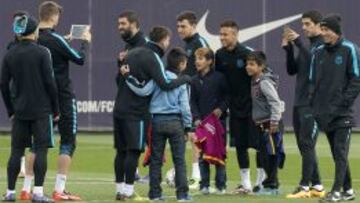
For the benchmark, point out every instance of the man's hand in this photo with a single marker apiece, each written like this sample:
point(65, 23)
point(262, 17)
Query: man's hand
point(68, 37)
point(56, 118)
point(124, 69)
point(217, 112)
point(274, 128)
point(284, 41)
point(122, 55)
point(197, 123)
point(292, 35)
point(87, 36)
point(12, 117)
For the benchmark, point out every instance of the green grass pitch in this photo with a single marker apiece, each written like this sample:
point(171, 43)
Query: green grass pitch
point(92, 171)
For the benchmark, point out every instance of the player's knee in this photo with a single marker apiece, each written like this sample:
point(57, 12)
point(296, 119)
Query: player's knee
point(67, 149)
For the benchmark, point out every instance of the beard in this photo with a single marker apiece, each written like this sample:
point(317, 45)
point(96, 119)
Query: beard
point(126, 34)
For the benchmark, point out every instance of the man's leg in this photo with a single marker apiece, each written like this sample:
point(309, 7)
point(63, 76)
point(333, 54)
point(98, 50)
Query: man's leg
point(205, 174)
point(43, 132)
point(195, 174)
point(13, 170)
point(29, 176)
point(68, 130)
point(342, 138)
point(135, 137)
point(239, 129)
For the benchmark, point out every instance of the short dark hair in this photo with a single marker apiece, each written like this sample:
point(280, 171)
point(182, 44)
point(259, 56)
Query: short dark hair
point(19, 13)
point(131, 16)
point(315, 16)
point(258, 56)
point(47, 9)
point(187, 15)
point(230, 24)
point(175, 56)
point(205, 52)
point(159, 33)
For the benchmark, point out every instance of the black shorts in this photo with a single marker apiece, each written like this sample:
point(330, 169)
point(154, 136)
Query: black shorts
point(243, 133)
point(33, 133)
point(130, 134)
point(68, 121)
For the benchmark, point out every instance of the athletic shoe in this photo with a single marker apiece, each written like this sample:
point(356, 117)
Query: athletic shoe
point(257, 188)
point(186, 198)
point(268, 192)
point(315, 193)
point(205, 191)
point(72, 197)
point(220, 192)
point(299, 193)
point(194, 184)
point(57, 196)
point(144, 180)
point(242, 191)
point(119, 197)
point(9, 198)
point(349, 195)
point(331, 197)
point(41, 199)
point(157, 199)
point(25, 196)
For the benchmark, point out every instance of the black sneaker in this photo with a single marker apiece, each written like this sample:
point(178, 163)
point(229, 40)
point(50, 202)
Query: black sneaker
point(41, 199)
point(331, 197)
point(256, 189)
point(120, 197)
point(349, 195)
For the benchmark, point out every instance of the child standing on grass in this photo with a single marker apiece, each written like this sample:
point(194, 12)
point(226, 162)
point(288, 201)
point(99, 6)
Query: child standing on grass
point(171, 120)
point(266, 112)
point(209, 96)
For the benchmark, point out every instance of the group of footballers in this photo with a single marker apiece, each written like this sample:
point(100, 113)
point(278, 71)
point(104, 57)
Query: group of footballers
point(156, 102)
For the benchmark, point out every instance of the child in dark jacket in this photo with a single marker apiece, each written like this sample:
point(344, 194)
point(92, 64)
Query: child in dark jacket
point(267, 109)
point(209, 96)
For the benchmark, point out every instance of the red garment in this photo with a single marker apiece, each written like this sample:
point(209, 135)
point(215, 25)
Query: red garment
point(210, 140)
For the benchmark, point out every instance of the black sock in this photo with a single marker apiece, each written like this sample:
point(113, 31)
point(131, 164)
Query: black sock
point(131, 163)
point(119, 166)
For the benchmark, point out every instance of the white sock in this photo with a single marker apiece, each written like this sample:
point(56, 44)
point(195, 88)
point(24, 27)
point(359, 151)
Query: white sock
point(39, 191)
point(306, 188)
point(9, 192)
point(350, 191)
point(196, 171)
point(60, 183)
point(260, 176)
point(318, 187)
point(245, 178)
point(22, 169)
point(120, 187)
point(128, 190)
point(27, 183)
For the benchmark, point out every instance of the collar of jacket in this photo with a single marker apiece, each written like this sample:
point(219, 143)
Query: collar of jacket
point(173, 70)
point(135, 39)
point(211, 71)
point(333, 47)
point(192, 38)
point(155, 48)
point(316, 40)
point(47, 29)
